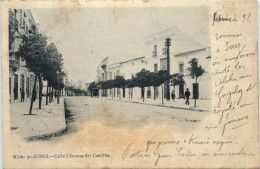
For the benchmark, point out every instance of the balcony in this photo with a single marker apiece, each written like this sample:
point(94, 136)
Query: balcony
point(14, 63)
point(164, 51)
point(154, 54)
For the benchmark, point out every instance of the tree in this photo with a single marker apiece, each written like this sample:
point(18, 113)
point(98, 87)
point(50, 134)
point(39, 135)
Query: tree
point(110, 85)
point(33, 52)
point(163, 76)
point(91, 87)
point(119, 82)
point(195, 72)
point(155, 81)
point(177, 79)
point(53, 63)
point(129, 85)
point(142, 80)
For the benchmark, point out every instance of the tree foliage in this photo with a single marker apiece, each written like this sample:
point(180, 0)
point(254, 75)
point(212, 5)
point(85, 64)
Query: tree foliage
point(142, 78)
point(195, 69)
point(119, 82)
point(177, 79)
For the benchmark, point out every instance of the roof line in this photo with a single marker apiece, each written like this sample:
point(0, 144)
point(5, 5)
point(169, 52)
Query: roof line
point(197, 50)
point(132, 59)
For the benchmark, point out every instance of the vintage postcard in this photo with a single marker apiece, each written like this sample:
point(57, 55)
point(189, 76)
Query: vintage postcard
point(130, 84)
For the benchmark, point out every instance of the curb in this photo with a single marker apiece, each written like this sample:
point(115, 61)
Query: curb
point(173, 107)
point(53, 134)
point(46, 136)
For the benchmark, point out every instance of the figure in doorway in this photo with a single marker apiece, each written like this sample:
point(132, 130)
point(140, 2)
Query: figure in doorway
point(173, 95)
point(22, 95)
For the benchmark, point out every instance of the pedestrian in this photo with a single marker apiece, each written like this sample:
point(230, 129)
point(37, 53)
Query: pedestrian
point(187, 95)
point(22, 95)
point(173, 95)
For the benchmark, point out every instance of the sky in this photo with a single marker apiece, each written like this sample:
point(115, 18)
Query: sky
point(85, 36)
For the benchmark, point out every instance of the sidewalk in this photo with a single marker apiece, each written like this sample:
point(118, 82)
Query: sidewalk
point(201, 105)
point(45, 122)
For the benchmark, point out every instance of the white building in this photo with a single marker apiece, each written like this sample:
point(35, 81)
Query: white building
point(183, 48)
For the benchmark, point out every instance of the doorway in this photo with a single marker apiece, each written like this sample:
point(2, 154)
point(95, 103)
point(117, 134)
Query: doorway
point(181, 91)
point(15, 87)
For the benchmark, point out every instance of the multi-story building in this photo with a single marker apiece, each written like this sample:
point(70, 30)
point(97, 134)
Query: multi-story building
point(21, 23)
point(183, 48)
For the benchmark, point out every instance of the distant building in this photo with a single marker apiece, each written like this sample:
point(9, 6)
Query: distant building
point(21, 23)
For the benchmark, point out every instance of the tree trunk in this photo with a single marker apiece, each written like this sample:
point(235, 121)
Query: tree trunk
point(129, 93)
point(34, 90)
point(50, 94)
point(154, 93)
point(47, 93)
point(40, 92)
point(196, 96)
point(162, 94)
point(120, 93)
point(143, 94)
point(58, 97)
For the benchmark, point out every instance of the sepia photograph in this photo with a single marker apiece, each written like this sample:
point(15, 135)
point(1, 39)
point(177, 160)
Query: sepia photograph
point(130, 84)
point(153, 71)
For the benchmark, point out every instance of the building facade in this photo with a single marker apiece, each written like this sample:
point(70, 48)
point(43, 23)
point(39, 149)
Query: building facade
point(21, 80)
point(183, 48)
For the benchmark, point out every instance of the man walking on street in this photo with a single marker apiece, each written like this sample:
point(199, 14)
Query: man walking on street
point(187, 95)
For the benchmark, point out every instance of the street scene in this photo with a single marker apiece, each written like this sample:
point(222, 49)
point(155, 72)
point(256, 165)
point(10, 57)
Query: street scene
point(127, 72)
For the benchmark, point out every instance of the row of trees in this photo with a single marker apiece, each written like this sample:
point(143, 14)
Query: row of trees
point(45, 61)
point(76, 91)
point(145, 78)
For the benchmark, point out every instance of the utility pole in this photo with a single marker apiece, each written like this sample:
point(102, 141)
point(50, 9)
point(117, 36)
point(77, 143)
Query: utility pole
point(167, 45)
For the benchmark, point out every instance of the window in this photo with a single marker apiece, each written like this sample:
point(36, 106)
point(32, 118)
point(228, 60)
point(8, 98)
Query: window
point(21, 16)
point(163, 64)
point(24, 24)
point(110, 75)
point(154, 53)
point(155, 47)
point(155, 67)
point(181, 67)
point(103, 77)
point(15, 11)
point(149, 92)
point(31, 23)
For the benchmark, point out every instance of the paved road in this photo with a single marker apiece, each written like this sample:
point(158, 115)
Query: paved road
point(121, 115)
